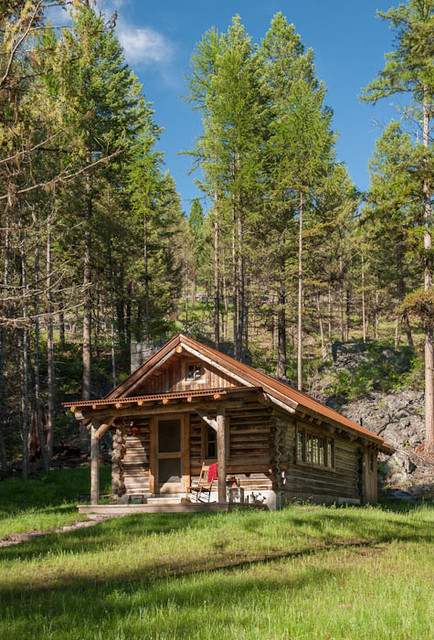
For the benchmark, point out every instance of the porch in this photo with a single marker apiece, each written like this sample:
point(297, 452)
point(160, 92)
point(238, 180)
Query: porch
point(156, 505)
point(161, 441)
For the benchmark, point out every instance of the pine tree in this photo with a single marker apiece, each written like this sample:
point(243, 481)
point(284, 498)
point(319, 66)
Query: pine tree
point(300, 144)
point(390, 214)
point(408, 70)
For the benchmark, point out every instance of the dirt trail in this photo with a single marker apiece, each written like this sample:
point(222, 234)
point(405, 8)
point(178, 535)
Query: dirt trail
point(17, 538)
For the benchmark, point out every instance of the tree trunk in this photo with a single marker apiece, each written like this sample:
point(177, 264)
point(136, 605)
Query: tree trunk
point(300, 299)
point(37, 372)
point(402, 291)
point(146, 259)
point(24, 358)
point(87, 282)
point(128, 323)
point(4, 461)
point(396, 341)
point(241, 287)
point(376, 317)
point(363, 301)
point(429, 342)
point(330, 313)
point(235, 292)
point(321, 324)
point(281, 335)
point(216, 276)
point(225, 299)
point(61, 326)
point(341, 299)
point(50, 353)
point(112, 317)
point(347, 312)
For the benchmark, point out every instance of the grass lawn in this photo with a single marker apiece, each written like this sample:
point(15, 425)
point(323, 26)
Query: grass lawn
point(306, 572)
point(46, 503)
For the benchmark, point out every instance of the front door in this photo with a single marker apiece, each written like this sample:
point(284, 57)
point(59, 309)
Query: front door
point(168, 470)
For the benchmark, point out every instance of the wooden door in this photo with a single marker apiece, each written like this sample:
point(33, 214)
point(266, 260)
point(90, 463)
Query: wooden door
point(169, 454)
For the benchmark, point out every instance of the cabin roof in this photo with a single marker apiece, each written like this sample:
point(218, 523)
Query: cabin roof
point(282, 394)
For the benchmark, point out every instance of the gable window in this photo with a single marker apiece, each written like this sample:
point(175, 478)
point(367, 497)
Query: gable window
point(194, 371)
point(314, 450)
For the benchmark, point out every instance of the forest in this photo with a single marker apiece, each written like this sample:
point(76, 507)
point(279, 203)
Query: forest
point(97, 253)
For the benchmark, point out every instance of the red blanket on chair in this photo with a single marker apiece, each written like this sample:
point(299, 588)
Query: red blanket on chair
point(213, 472)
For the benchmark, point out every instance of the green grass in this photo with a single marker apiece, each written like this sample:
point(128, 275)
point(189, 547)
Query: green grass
point(307, 572)
point(45, 503)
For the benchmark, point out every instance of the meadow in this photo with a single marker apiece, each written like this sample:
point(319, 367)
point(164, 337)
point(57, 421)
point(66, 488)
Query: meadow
point(304, 573)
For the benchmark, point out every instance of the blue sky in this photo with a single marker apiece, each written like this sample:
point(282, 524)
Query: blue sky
point(348, 39)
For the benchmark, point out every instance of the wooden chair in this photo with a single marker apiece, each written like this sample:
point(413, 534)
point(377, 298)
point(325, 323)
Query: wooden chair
point(202, 487)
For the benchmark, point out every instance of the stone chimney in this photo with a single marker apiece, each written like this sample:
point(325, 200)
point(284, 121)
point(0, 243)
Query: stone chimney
point(142, 351)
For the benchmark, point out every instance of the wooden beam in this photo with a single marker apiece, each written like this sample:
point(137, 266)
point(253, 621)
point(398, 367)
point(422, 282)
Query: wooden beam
point(221, 454)
point(185, 451)
point(131, 411)
point(94, 464)
point(153, 471)
point(179, 348)
point(210, 421)
point(103, 428)
point(280, 404)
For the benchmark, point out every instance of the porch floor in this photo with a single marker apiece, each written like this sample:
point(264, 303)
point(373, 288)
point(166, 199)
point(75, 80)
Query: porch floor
point(161, 506)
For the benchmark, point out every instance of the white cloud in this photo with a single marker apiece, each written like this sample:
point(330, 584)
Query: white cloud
point(144, 46)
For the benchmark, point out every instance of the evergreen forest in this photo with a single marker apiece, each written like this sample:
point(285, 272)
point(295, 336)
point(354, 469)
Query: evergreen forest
point(280, 258)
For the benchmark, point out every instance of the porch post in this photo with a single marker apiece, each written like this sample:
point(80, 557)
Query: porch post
point(94, 465)
point(221, 453)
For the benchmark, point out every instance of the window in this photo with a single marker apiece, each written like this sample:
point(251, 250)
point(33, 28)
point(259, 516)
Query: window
point(194, 371)
point(371, 461)
point(211, 443)
point(314, 450)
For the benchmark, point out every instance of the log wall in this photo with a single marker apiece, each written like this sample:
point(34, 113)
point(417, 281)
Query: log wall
point(261, 453)
point(320, 484)
point(248, 447)
point(136, 459)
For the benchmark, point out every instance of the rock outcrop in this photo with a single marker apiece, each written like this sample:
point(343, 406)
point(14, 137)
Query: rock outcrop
point(397, 415)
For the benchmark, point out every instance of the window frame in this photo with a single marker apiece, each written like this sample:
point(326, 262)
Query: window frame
point(194, 366)
point(312, 447)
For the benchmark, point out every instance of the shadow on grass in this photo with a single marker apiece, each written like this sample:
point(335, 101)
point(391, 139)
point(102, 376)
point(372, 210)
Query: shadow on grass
point(82, 603)
point(84, 608)
point(87, 600)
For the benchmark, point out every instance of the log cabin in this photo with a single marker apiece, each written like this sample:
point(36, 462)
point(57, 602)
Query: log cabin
point(190, 405)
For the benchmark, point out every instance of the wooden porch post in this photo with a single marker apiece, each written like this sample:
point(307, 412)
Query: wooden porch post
point(94, 465)
point(221, 453)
